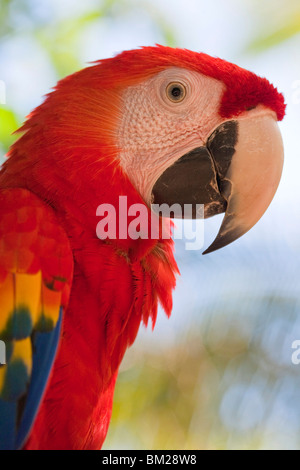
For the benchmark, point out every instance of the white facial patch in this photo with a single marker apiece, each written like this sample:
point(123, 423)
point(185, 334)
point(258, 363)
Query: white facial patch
point(155, 131)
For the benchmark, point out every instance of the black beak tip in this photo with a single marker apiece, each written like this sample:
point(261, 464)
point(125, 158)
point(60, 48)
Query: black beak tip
point(213, 247)
point(224, 239)
point(207, 251)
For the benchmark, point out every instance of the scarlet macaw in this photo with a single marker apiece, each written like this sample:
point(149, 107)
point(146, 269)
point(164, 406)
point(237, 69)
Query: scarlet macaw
point(155, 125)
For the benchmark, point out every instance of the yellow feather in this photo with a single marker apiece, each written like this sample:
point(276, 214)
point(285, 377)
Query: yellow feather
point(28, 293)
point(23, 351)
point(2, 377)
point(6, 301)
point(50, 307)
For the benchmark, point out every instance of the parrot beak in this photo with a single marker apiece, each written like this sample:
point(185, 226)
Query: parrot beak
point(252, 177)
point(237, 172)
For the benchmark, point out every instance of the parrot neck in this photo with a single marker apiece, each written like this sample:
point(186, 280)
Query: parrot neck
point(75, 183)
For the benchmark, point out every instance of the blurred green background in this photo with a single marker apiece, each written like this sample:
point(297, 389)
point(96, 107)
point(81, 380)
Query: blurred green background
point(218, 374)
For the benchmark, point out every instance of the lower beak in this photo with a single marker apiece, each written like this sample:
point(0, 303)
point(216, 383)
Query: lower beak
point(237, 172)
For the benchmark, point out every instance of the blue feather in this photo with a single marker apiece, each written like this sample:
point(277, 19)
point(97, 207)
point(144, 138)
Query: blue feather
point(8, 418)
point(14, 437)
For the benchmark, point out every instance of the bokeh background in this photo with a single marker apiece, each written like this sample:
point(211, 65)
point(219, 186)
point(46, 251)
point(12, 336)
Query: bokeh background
point(218, 374)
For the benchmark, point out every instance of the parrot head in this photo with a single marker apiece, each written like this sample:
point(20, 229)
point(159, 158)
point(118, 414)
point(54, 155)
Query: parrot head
point(184, 128)
point(201, 130)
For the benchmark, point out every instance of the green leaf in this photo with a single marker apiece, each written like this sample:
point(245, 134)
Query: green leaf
point(289, 29)
point(8, 124)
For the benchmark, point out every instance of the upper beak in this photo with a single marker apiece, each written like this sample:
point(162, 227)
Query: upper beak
point(237, 172)
point(252, 177)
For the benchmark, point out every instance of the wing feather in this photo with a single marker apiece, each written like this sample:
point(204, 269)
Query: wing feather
point(36, 267)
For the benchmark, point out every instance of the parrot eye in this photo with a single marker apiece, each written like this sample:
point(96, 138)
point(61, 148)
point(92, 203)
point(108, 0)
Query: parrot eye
point(176, 92)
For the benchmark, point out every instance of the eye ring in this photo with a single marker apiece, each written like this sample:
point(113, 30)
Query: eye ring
point(176, 92)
